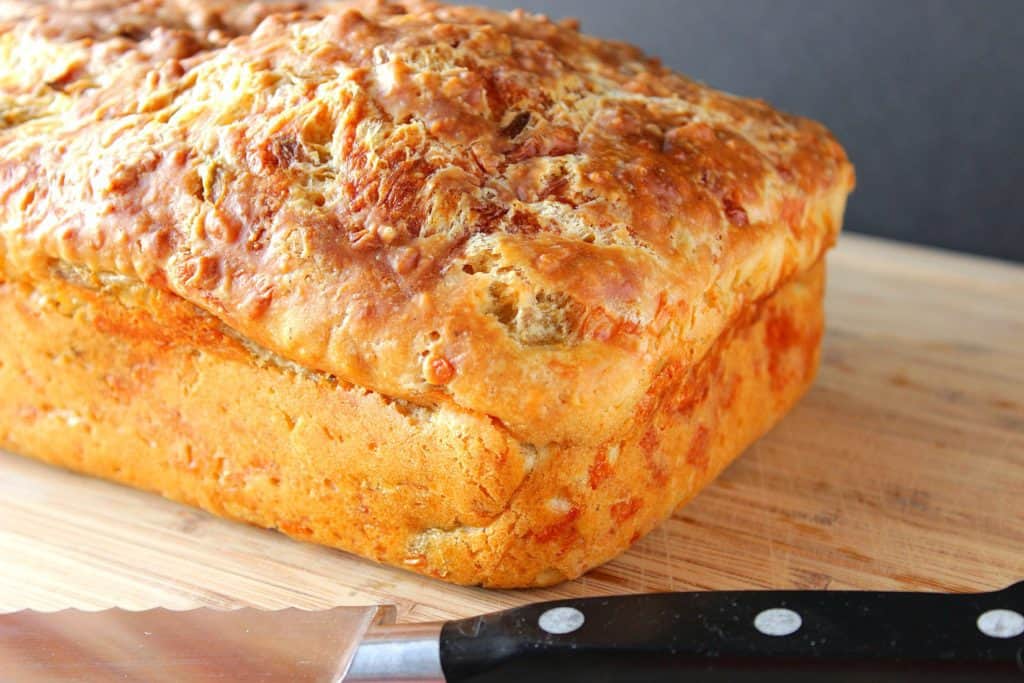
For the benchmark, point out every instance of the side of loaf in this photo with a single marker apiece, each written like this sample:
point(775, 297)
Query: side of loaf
point(138, 387)
point(464, 291)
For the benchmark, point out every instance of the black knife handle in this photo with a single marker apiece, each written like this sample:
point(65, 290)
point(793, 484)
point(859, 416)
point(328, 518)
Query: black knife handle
point(724, 636)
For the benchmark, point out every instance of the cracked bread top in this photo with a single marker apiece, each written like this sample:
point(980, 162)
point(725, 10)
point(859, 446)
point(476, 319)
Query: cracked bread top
point(441, 204)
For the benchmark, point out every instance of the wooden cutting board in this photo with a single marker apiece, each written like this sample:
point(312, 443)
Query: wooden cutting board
point(902, 469)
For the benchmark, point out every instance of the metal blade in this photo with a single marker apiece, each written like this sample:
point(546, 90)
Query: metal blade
point(197, 645)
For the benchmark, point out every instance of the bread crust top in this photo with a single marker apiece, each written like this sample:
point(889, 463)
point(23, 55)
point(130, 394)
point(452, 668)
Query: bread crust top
point(442, 204)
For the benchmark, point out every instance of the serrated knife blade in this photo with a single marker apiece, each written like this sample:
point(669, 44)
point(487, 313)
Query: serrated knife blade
point(200, 645)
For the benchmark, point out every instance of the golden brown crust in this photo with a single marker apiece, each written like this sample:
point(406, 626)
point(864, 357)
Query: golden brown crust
point(468, 210)
point(135, 385)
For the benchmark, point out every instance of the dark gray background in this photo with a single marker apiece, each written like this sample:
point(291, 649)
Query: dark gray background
point(927, 96)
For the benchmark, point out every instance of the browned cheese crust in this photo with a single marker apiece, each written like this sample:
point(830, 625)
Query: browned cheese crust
point(478, 294)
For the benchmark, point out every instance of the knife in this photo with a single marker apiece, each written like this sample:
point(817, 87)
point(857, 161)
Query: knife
point(694, 637)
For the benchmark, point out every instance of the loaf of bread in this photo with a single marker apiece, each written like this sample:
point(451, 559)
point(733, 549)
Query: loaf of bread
point(466, 292)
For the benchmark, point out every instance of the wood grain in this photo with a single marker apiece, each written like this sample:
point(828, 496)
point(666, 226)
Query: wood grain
point(903, 468)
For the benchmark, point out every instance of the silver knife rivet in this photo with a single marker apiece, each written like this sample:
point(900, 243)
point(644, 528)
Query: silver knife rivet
point(561, 620)
point(1001, 623)
point(778, 621)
